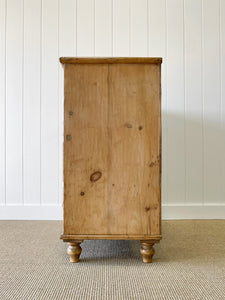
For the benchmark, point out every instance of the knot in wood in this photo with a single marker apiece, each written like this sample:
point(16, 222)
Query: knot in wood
point(95, 176)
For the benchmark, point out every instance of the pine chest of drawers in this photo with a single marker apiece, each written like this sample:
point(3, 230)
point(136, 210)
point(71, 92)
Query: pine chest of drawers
point(112, 151)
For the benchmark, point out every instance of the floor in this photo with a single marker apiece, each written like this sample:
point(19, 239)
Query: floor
point(189, 264)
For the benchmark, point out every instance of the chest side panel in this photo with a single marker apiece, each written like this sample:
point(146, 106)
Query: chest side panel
point(85, 148)
point(134, 149)
point(112, 149)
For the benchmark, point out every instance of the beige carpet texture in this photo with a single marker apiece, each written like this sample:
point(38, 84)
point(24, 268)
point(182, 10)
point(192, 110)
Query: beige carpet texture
point(189, 264)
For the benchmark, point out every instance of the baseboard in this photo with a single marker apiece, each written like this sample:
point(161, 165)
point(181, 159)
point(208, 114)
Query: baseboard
point(193, 211)
point(169, 212)
point(31, 212)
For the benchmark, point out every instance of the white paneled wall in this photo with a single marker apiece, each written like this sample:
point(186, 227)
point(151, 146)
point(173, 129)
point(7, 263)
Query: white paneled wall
point(188, 34)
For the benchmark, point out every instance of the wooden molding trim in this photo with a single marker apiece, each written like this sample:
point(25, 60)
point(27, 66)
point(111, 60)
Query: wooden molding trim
point(110, 60)
point(71, 237)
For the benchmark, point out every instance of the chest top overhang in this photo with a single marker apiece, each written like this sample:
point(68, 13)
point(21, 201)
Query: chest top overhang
point(110, 60)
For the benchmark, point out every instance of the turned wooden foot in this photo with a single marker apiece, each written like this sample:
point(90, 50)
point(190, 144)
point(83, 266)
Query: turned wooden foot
point(147, 251)
point(74, 250)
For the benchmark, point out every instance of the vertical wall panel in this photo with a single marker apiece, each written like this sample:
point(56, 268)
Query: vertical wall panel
point(2, 99)
point(49, 103)
point(138, 28)
point(103, 27)
point(157, 28)
point(193, 100)
point(157, 48)
point(175, 102)
point(212, 101)
point(67, 47)
point(222, 78)
point(121, 28)
point(85, 28)
point(14, 102)
point(67, 27)
point(31, 108)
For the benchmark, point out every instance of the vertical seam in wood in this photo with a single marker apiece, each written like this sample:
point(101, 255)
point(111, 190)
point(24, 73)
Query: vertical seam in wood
point(108, 136)
point(64, 98)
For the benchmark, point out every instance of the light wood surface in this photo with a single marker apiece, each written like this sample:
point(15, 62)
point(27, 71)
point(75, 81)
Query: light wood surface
point(71, 237)
point(85, 149)
point(74, 251)
point(134, 149)
point(112, 151)
point(111, 60)
point(147, 250)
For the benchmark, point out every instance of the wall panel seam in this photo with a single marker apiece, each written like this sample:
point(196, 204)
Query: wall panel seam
point(220, 66)
point(5, 93)
point(94, 27)
point(185, 108)
point(167, 131)
point(22, 110)
point(203, 107)
point(41, 90)
point(112, 32)
point(130, 27)
point(58, 138)
point(76, 28)
point(220, 75)
point(147, 11)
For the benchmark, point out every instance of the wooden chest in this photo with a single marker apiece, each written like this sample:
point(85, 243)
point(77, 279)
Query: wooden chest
point(112, 151)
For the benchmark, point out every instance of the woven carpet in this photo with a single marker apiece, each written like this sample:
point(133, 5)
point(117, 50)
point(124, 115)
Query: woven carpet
point(189, 264)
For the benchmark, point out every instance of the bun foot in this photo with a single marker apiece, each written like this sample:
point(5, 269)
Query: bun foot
point(147, 251)
point(74, 251)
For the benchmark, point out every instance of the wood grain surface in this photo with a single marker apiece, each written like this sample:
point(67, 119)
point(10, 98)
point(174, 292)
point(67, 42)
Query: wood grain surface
point(112, 156)
point(85, 148)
